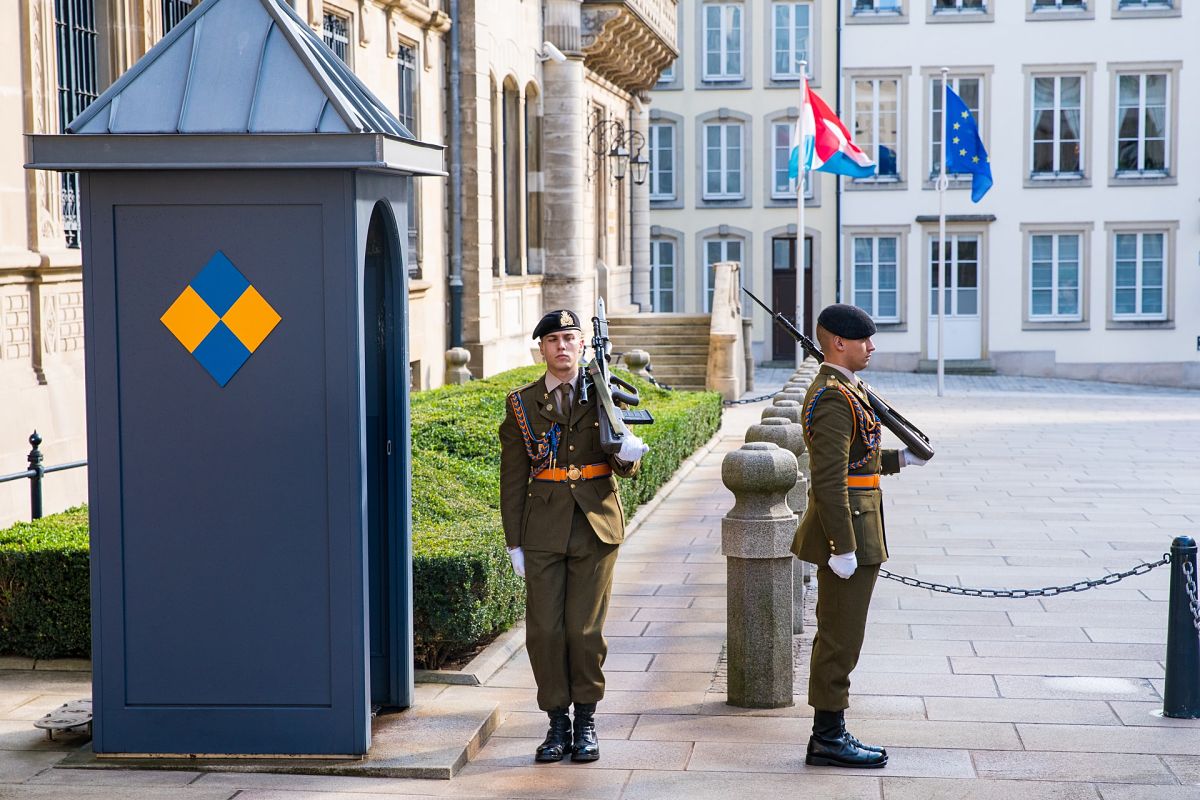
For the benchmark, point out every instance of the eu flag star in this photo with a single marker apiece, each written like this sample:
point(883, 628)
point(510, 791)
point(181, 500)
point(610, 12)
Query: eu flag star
point(974, 159)
point(955, 140)
point(963, 152)
point(966, 114)
point(956, 126)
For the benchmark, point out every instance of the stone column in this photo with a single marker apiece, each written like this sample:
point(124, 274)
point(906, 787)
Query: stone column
point(640, 217)
point(789, 436)
point(756, 537)
point(569, 282)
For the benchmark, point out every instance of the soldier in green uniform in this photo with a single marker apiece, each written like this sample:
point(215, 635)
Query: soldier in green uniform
point(562, 523)
point(842, 529)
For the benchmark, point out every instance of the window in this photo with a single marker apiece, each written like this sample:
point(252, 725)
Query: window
point(716, 251)
point(1060, 5)
point(173, 12)
point(535, 249)
point(1055, 276)
point(876, 104)
point(723, 161)
point(1139, 275)
point(962, 275)
point(513, 185)
point(875, 274)
point(722, 42)
point(662, 161)
point(783, 185)
point(959, 6)
point(668, 74)
point(792, 34)
point(75, 46)
point(335, 31)
point(1142, 124)
point(1057, 126)
point(971, 92)
point(878, 7)
point(662, 275)
point(406, 58)
point(1139, 4)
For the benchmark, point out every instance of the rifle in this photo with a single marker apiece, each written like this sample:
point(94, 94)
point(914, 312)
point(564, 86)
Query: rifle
point(916, 441)
point(610, 389)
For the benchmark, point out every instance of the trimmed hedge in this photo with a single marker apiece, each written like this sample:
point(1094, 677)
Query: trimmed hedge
point(464, 589)
point(45, 594)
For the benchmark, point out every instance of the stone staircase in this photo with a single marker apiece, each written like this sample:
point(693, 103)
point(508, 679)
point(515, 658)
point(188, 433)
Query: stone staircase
point(677, 344)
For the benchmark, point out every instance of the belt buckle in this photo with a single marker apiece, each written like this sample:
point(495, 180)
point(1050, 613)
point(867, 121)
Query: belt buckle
point(574, 473)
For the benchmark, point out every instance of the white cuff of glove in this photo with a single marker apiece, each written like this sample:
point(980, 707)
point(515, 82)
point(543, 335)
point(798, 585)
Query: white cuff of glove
point(518, 560)
point(844, 565)
point(907, 459)
point(632, 448)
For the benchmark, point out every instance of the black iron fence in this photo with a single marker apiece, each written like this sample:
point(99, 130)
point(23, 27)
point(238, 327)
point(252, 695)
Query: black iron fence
point(36, 473)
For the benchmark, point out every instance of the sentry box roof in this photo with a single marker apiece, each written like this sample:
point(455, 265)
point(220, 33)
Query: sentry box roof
point(237, 84)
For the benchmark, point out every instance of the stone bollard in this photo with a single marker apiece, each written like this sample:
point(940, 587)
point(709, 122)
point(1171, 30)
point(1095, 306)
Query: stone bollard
point(789, 436)
point(457, 359)
point(748, 350)
point(790, 410)
point(756, 537)
point(638, 362)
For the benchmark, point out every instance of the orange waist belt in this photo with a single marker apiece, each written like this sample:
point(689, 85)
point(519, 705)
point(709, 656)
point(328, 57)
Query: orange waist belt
point(862, 481)
point(573, 473)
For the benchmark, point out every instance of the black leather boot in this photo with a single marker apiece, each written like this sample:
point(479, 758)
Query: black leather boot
point(854, 740)
point(831, 746)
point(558, 739)
point(587, 746)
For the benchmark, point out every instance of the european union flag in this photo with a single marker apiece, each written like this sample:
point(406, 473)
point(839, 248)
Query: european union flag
point(964, 148)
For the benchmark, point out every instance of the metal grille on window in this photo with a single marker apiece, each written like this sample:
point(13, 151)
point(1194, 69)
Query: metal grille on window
point(75, 40)
point(173, 12)
point(335, 31)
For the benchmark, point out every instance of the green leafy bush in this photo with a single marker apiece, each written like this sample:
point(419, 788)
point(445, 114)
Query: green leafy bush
point(464, 589)
point(45, 594)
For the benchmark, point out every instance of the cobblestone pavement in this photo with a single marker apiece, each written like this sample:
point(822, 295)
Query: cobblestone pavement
point(1035, 482)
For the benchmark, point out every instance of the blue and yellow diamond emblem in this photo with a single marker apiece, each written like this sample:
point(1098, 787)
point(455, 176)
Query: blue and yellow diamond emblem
point(220, 318)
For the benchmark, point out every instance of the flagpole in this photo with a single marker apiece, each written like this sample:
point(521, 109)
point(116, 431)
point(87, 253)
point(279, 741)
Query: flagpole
point(801, 174)
point(942, 183)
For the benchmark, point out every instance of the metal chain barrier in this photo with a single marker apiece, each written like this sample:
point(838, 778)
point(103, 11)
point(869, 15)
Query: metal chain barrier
point(1190, 588)
point(748, 400)
point(1049, 591)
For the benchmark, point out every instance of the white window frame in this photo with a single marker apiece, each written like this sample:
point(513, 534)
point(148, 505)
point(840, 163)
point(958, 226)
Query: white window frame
point(891, 8)
point(873, 150)
point(731, 15)
point(657, 166)
point(1056, 267)
point(952, 263)
point(725, 168)
point(959, 8)
point(935, 137)
point(1058, 174)
point(780, 155)
point(706, 266)
point(657, 265)
point(1139, 286)
point(876, 267)
point(668, 74)
point(1059, 7)
point(1169, 116)
point(793, 8)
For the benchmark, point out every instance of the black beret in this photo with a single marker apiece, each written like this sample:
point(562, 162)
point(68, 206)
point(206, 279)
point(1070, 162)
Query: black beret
point(848, 322)
point(561, 320)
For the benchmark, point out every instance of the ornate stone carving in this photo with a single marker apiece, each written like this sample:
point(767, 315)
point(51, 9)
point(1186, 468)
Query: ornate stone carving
point(630, 43)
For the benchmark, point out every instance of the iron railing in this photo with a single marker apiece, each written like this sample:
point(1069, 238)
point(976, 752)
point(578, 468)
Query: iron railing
point(35, 473)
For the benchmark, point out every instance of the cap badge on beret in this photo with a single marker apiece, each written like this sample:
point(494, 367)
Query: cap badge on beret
point(564, 319)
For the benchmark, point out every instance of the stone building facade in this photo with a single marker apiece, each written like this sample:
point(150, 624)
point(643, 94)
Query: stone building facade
point(547, 223)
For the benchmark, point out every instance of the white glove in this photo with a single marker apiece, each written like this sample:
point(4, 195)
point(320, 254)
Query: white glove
point(907, 459)
point(518, 560)
point(632, 448)
point(844, 565)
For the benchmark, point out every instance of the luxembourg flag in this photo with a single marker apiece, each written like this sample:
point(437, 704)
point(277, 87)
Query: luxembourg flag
point(823, 142)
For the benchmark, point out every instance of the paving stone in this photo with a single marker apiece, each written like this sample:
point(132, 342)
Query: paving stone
point(659, 681)
point(1112, 739)
point(114, 777)
point(767, 758)
point(1076, 712)
point(1119, 792)
point(922, 685)
point(656, 785)
point(681, 615)
point(649, 601)
point(529, 725)
point(976, 736)
point(957, 789)
point(903, 648)
point(1186, 768)
point(888, 663)
point(627, 662)
point(865, 707)
point(684, 662)
point(19, 766)
point(1149, 714)
point(34, 792)
point(21, 735)
point(999, 633)
point(1120, 668)
point(1076, 688)
point(1099, 767)
point(682, 628)
point(1103, 650)
point(614, 754)
point(1130, 635)
point(16, 662)
point(665, 644)
point(300, 787)
point(41, 705)
point(545, 781)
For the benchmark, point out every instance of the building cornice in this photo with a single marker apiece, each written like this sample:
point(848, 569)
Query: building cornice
point(629, 42)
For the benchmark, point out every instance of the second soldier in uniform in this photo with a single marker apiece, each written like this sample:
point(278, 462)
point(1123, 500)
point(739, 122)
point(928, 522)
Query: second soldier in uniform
point(563, 522)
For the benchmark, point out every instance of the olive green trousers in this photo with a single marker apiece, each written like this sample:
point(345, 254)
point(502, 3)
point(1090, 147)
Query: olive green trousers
point(841, 623)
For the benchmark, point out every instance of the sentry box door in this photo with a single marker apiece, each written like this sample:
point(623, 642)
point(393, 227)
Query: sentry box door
point(227, 498)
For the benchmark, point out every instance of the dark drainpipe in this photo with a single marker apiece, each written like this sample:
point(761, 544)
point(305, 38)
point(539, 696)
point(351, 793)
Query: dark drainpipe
point(454, 117)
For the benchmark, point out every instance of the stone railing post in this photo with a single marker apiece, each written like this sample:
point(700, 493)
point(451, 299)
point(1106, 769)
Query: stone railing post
point(748, 348)
point(756, 538)
point(457, 359)
point(789, 436)
point(726, 371)
point(637, 361)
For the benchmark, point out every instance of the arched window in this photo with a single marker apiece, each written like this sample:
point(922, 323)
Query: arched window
point(497, 219)
point(513, 179)
point(534, 182)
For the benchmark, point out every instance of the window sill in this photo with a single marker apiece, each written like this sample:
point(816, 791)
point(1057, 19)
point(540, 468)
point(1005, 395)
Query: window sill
point(673, 202)
point(1145, 13)
point(875, 185)
point(1140, 325)
point(1056, 325)
point(417, 287)
point(1060, 181)
point(952, 16)
point(1136, 179)
point(1059, 14)
point(730, 202)
point(518, 281)
point(951, 185)
point(790, 202)
point(899, 326)
point(877, 18)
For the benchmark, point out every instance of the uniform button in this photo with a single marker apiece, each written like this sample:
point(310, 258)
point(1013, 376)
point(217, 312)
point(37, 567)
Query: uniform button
point(570, 447)
point(858, 513)
point(549, 407)
point(531, 494)
point(596, 424)
point(572, 486)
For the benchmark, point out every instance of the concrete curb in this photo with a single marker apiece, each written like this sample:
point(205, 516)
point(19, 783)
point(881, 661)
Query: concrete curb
point(484, 665)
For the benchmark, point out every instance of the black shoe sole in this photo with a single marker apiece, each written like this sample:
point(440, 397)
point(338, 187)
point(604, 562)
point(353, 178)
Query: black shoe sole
point(820, 761)
point(542, 758)
point(590, 757)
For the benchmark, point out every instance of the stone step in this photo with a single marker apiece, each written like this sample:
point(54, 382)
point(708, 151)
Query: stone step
point(660, 319)
point(646, 339)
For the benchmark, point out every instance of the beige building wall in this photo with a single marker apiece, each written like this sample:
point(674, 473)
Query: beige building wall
point(757, 99)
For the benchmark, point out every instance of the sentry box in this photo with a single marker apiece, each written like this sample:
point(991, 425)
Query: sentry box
point(243, 209)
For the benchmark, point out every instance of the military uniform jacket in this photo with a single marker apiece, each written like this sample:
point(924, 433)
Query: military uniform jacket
point(839, 519)
point(537, 514)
